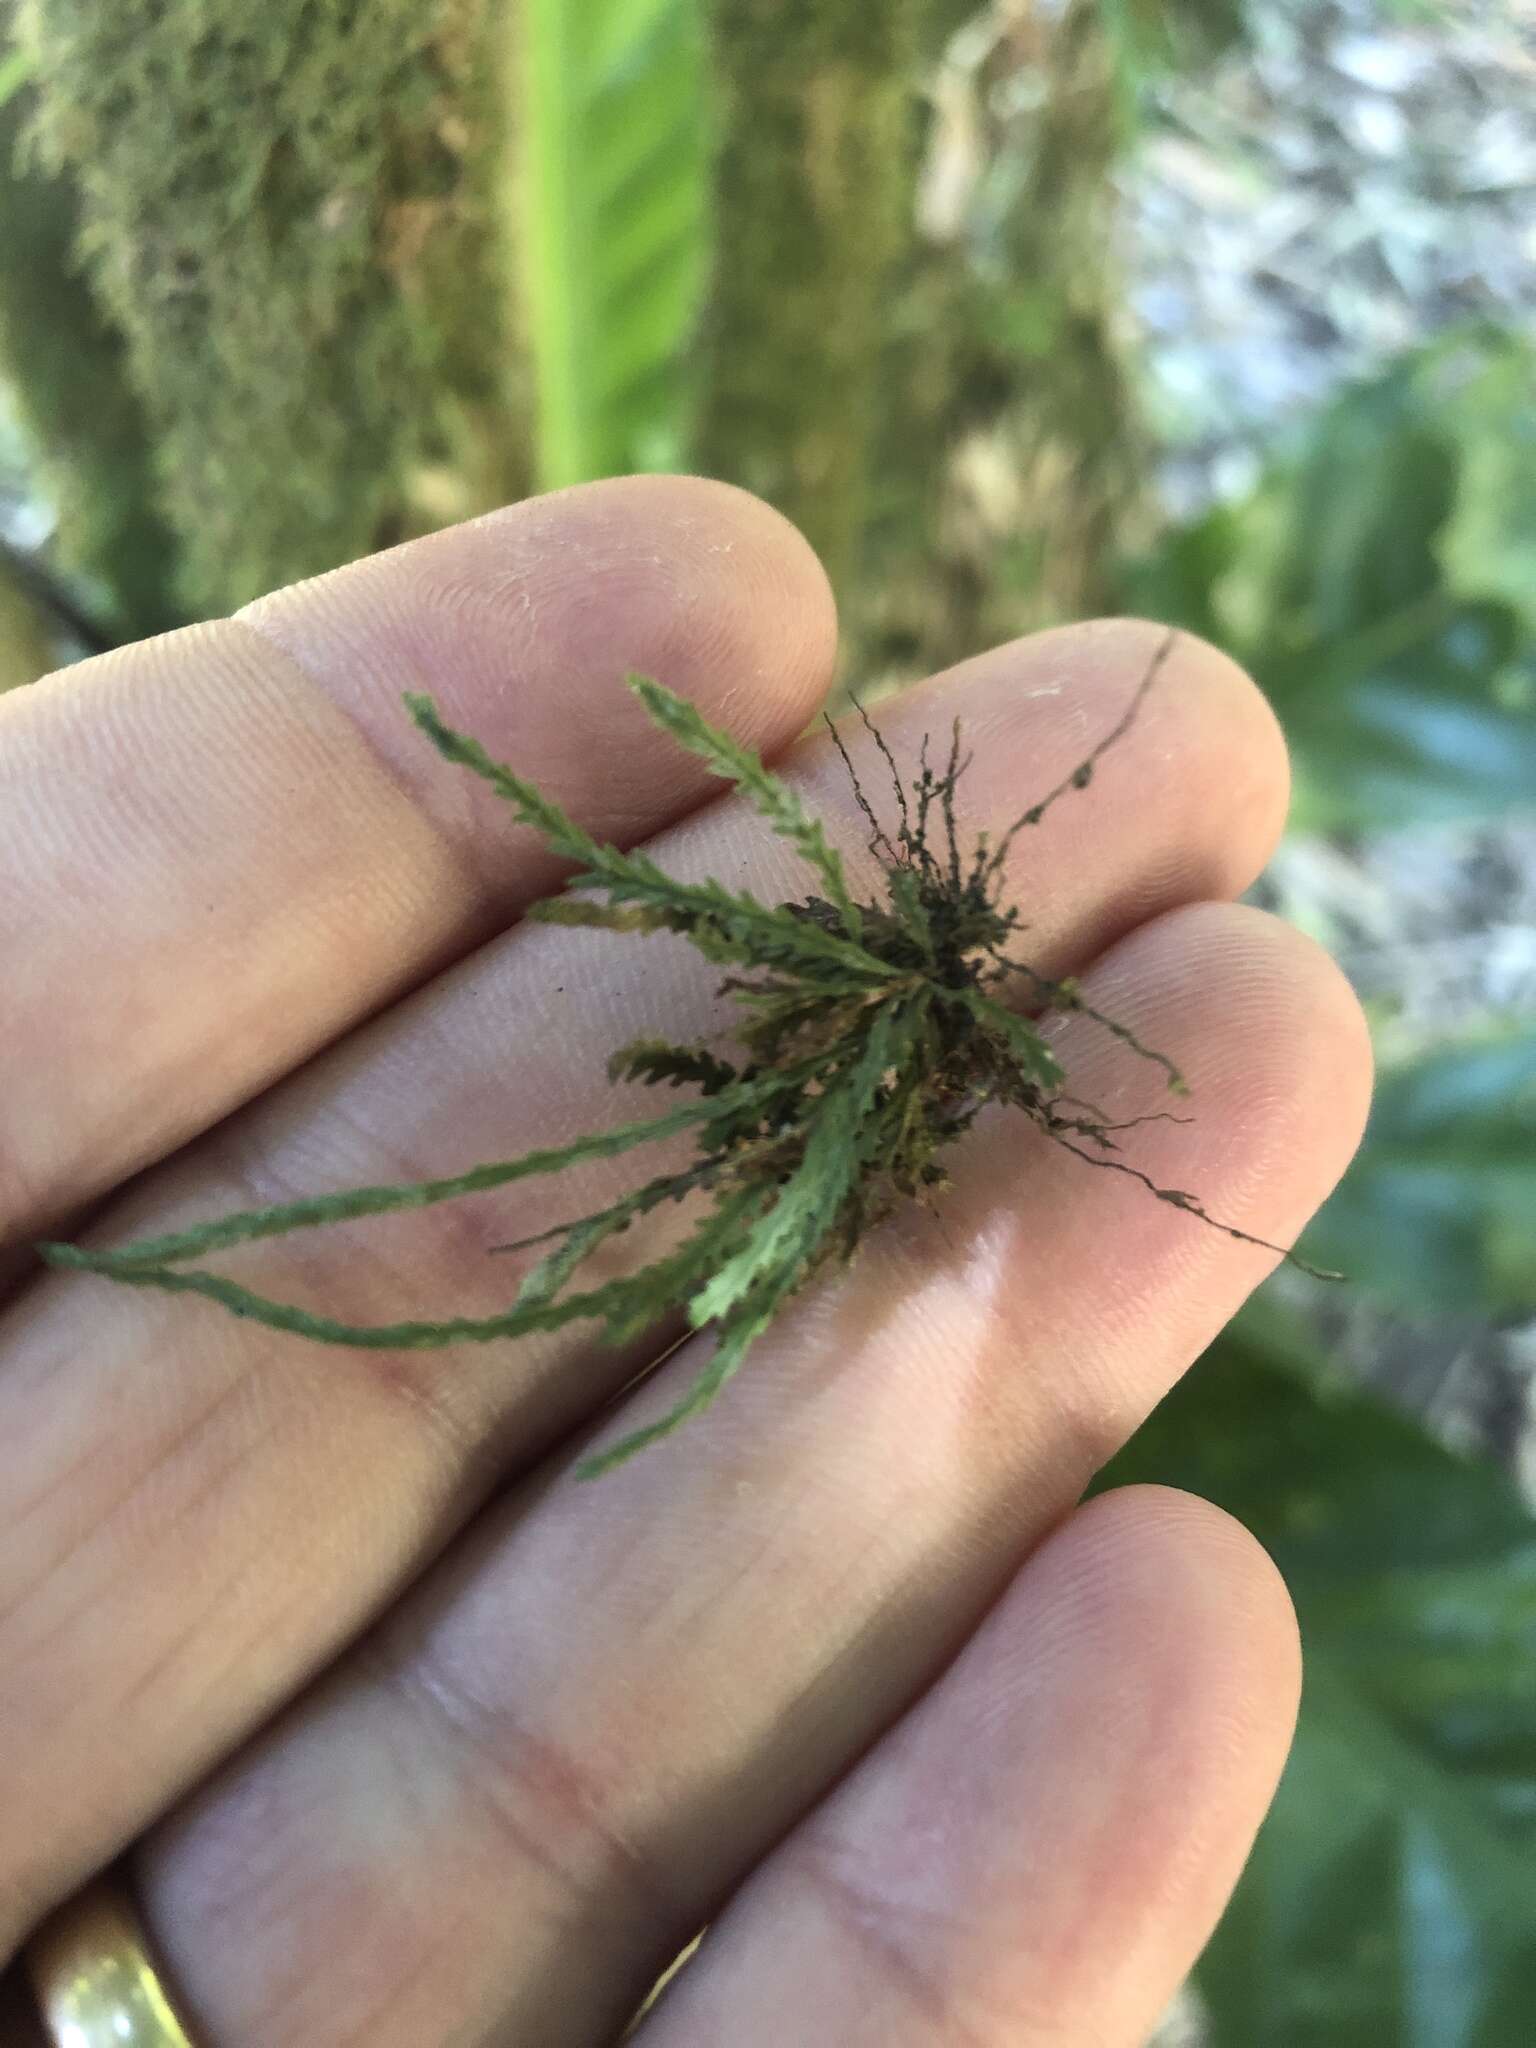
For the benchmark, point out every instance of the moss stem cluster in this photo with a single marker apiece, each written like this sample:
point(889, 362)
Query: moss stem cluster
point(869, 1037)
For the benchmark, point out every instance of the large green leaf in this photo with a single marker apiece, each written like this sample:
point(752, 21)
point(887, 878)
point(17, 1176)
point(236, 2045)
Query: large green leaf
point(1381, 584)
point(609, 223)
point(1439, 1209)
point(1391, 1899)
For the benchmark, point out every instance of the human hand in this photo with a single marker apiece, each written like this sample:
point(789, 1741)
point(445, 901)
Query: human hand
point(410, 1738)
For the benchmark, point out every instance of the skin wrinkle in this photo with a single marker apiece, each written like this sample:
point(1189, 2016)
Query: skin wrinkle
point(132, 1011)
point(98, 1536)
point(453, 611)
point(531, 936)
point(241, 1893)
point(462, 854)
point(1185, 1225)
point(775, 1391)
point(1251, 1099)
point(980, 1395)
point(897, 1947)
point(539, 1794)
point(452, 1233)
point(343, 1264)
point(1090, 1408)
point(472, 858)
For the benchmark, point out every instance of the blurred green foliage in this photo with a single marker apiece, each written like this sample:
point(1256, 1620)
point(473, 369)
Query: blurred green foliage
point(1439, 1211)
point(26, 648)
point(397, 317)
point(94, 459)
point(1380, 581)
point(1390, 1897)
point(1381, 584)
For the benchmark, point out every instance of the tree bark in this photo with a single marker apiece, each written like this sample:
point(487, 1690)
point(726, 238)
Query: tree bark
point(290, 211)
point(64, 366)
point(1012, 472)
point(817, 107)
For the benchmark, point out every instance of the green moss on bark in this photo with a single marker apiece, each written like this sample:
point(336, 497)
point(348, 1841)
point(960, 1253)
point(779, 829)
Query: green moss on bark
point(1013, 462)
point(289, 209)
point(63, 364)
point(1075, 419)
point(812, 193)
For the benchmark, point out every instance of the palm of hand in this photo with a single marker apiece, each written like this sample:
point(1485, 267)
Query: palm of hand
point(414, 1740)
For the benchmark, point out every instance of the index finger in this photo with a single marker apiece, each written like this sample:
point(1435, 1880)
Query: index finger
point(221, 848)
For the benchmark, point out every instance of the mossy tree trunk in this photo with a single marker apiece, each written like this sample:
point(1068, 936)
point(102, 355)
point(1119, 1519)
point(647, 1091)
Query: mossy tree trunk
point(64, 368)
point(1074, 420)
point(818, 101)
point(1012, 468)
point(290, 210)
point(296, 222)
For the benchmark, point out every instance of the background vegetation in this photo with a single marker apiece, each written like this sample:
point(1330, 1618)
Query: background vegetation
point(281, 285)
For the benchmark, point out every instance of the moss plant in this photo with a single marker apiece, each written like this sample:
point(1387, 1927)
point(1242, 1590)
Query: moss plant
point(870, 1036)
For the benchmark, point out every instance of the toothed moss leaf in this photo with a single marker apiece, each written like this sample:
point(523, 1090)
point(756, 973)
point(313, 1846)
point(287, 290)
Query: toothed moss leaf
point(810, 1199)
point(729, 929)
point(656, 1059)
point(1021, 1038)
point(763, 790)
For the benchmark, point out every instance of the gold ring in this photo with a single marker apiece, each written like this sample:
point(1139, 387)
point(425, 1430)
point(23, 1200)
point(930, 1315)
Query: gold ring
point(96, 1986)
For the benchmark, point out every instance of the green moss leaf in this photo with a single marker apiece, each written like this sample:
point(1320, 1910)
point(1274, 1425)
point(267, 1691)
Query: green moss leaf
point(773, 799)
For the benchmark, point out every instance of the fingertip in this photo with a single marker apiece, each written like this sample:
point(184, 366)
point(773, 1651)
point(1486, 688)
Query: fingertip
point(1167, 1638)
point(1042, 1846)
point(1308, 1042)
point(1257, 764)
point(1339, 1030)
point(523, 622)
point(1269, 1034)
point(776, 562)
point(1205, 1590)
